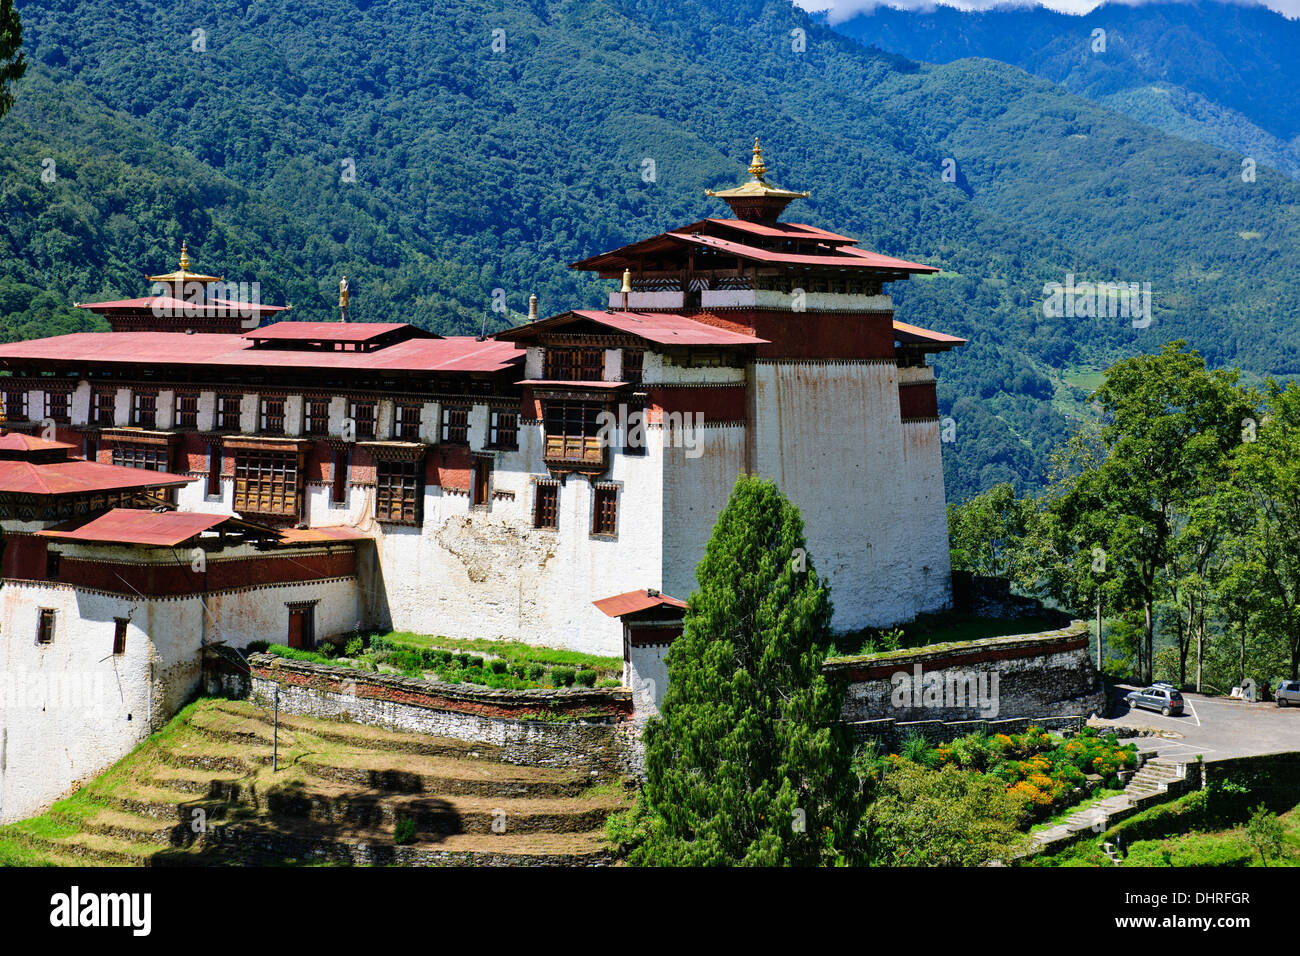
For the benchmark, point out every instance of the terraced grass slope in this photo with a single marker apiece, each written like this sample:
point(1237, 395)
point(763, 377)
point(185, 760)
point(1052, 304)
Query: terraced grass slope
point(202, 792)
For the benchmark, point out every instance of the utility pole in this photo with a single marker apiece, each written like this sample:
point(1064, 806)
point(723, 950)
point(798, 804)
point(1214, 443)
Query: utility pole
point(275, 733)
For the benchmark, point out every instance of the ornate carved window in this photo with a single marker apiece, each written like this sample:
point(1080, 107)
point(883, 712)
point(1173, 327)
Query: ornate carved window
point(266, 482)
point(572, 433)
point(397, 491)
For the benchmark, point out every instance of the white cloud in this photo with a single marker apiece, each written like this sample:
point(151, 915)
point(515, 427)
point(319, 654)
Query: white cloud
point(841, 10)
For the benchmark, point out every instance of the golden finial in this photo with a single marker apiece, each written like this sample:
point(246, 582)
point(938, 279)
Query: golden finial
point(185, 256)
point(756, 167)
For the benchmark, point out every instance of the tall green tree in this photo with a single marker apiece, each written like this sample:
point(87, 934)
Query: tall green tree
point(1269, 467)
point(748, 762)
point(12, 62)
point(1169, 424)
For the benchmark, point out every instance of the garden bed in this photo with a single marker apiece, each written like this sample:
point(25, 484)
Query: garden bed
point(506, 666)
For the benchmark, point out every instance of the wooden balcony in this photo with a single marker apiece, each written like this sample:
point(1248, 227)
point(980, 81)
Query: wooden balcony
point(575, 452)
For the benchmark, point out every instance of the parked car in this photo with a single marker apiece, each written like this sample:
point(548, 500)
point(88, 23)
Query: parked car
point(1162, 697)
point(1288, 692)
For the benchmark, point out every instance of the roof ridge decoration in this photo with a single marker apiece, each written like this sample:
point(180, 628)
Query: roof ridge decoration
point(757, 200)
point(183, 274)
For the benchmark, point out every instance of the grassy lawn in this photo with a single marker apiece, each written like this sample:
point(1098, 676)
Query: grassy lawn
point(515, 651)
point(1224, 846)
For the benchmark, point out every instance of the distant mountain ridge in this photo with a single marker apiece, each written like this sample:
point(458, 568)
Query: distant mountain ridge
point(1224, 74)
point(478, 170)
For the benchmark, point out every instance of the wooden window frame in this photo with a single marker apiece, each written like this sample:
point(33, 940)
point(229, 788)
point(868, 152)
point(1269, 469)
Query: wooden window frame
point(500, 435)
point(267, 482)
point(119, 635)
point(480, 481)
point(399, 491)
point(575, 364)
point(406, 420)
point(140, 455)
point(45, 625)
point(15, 406)
point(546, 505)
point(271, 416)
point(633, 371)
point(317, 412)
point(185, 408)
point(365, 427)
point(144, 409)
point(52, 411)
point(604, 511)
point(455, 432)
point(572, 433)
point(212, 483)
point(225, 412)
point(103, 406)
point(339, 477)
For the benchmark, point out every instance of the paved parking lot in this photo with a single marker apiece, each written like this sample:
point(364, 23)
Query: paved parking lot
point(1215, 727)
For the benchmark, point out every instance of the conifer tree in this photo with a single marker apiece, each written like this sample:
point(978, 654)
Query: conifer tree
point(747, 762)
point(12, 63)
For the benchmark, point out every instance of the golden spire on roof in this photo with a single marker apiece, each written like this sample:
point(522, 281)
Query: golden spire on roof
point(756, 167)
point(183, 274)
point(757, 200)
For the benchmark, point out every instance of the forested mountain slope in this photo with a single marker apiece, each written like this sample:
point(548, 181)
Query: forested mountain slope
point(1219, 73)
point(479, 169)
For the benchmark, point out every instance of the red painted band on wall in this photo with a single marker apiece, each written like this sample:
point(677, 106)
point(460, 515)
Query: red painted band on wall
point(918, 400)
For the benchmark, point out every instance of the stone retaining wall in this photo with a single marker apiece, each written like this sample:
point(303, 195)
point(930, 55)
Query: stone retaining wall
point(1049, 674)
point(569, 727)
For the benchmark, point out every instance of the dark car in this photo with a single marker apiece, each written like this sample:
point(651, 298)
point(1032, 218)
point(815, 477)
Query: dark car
point(1161, 697)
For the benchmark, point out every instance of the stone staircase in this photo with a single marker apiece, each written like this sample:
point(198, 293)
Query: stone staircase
point(203, 792)
point(1157, 779)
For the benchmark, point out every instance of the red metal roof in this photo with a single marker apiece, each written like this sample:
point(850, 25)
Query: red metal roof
point(843, 256)
point(169, 305)
point(634, 601)
point(453, 354)
point(912, 333)
point(332, 331)
point(662, 328)
point(132, 526)
point(77, 477)
point(786, 230)
point(321, 535)
point(22, 442)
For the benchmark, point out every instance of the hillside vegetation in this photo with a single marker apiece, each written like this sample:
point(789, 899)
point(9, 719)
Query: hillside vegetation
point(478, 170)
